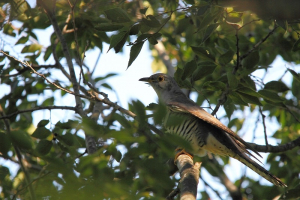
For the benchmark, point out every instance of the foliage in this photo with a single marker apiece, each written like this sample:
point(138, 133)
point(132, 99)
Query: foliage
point(216, 49)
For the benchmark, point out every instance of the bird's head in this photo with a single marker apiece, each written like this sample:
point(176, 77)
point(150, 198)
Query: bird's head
point(164, 85)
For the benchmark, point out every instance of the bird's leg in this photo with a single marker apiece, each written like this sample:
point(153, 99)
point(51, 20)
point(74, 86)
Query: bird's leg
point(179, 152)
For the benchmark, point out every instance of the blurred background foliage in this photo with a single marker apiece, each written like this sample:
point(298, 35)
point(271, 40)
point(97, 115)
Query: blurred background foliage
point(214, 47)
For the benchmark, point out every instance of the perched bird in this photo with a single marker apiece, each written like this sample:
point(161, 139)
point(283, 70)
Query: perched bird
point(203, 131)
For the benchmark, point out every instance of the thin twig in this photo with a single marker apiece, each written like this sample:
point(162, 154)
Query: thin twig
point(39, 108)
point(259, 43)
point(173, 193)
point(264, 125)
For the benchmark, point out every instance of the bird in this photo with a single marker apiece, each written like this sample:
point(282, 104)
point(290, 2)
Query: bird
point(204, 132)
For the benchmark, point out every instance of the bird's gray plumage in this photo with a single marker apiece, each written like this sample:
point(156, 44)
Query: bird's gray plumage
point(202, 130)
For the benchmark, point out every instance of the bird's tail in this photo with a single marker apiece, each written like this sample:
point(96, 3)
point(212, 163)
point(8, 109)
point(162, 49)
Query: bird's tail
point(259, 169)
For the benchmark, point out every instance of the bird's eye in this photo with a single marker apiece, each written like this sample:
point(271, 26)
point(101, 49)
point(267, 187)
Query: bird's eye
point(161, 78)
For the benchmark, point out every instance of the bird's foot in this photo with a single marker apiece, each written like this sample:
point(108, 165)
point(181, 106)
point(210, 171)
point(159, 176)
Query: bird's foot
point(179, 152)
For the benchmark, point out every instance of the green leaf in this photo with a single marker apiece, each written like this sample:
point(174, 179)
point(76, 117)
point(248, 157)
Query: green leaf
point(48, 52)
point(203, 70)
point(32, 48)
point(296, 45)
point(116, 39)
point(237, 99)
point(43, 147)
point(48, 102)
point(209, 17)
point(68, 139)
point(210, 29)
point(23, 40)
point(295, 74)
point(134, 52)
point(203, 54)
point(120, 45)
point(139, 110)
point(151, 21)
point(225, 58)
point(41, 133)
point(21, 139)
point(107, 27)
point(232, 80)
point(117, 15)
point(249, 99)
point(270, 95)
point(66, 125)
point(249, 91)
point(104, 77)
point(214, 85)
point(134, 30)
point(43, 123)
point(229, 108)
point(251, 60)
point(122, 120)
point(143, 10)
point(276, 86)
point(5, 143)
point(189, 69)
point(234, 17)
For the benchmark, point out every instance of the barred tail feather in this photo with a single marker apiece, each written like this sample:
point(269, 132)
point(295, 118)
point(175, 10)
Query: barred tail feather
point(259, 169)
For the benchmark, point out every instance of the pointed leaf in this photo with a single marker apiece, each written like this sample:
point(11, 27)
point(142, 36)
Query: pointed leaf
point(271, 96)
point(276, 86)
point(295, 74)
point(117, 15)
point(43, 147)
point(41, 133)
point(43, 123)
point(21, 139)
point(189, 69)
point(134, 52)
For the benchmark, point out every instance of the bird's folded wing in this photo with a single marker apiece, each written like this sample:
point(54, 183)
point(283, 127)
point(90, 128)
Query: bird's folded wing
point(195, 110)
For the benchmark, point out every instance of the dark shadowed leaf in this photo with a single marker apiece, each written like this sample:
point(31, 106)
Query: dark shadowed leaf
point(21, 139)
point(251, 60)
point(118, 38)
point(270, 95)
point(225, 58)
point(189, 69)
point(41, 133)
point(134, 52)
point(249, 99)
point(43, 123)
point(117, 15)
point(203, 70)
point(108, 27)
point(43, 147)
point(5, 143)
point(295, 74)
point(276, 86)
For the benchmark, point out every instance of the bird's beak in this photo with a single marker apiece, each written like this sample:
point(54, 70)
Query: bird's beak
point(146, 79)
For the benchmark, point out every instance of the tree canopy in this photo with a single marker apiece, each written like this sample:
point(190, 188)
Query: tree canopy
point(214, 49)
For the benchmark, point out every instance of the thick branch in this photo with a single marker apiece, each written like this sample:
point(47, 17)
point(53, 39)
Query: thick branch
point(189, 173)
point(276, 149)
point(68, 57)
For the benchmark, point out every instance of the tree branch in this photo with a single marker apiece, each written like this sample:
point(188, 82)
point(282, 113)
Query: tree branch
point(276, 149)
point(189, 173)
point(67, 55)
point(259, 43)
point(39, 108)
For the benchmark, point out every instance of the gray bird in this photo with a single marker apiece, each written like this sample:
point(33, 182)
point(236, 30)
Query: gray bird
point(203, 131)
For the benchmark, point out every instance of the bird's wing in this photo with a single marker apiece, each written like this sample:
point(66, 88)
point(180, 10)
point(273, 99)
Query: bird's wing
point(195, 110)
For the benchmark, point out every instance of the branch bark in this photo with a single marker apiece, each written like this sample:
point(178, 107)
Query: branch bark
point(189, 173)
